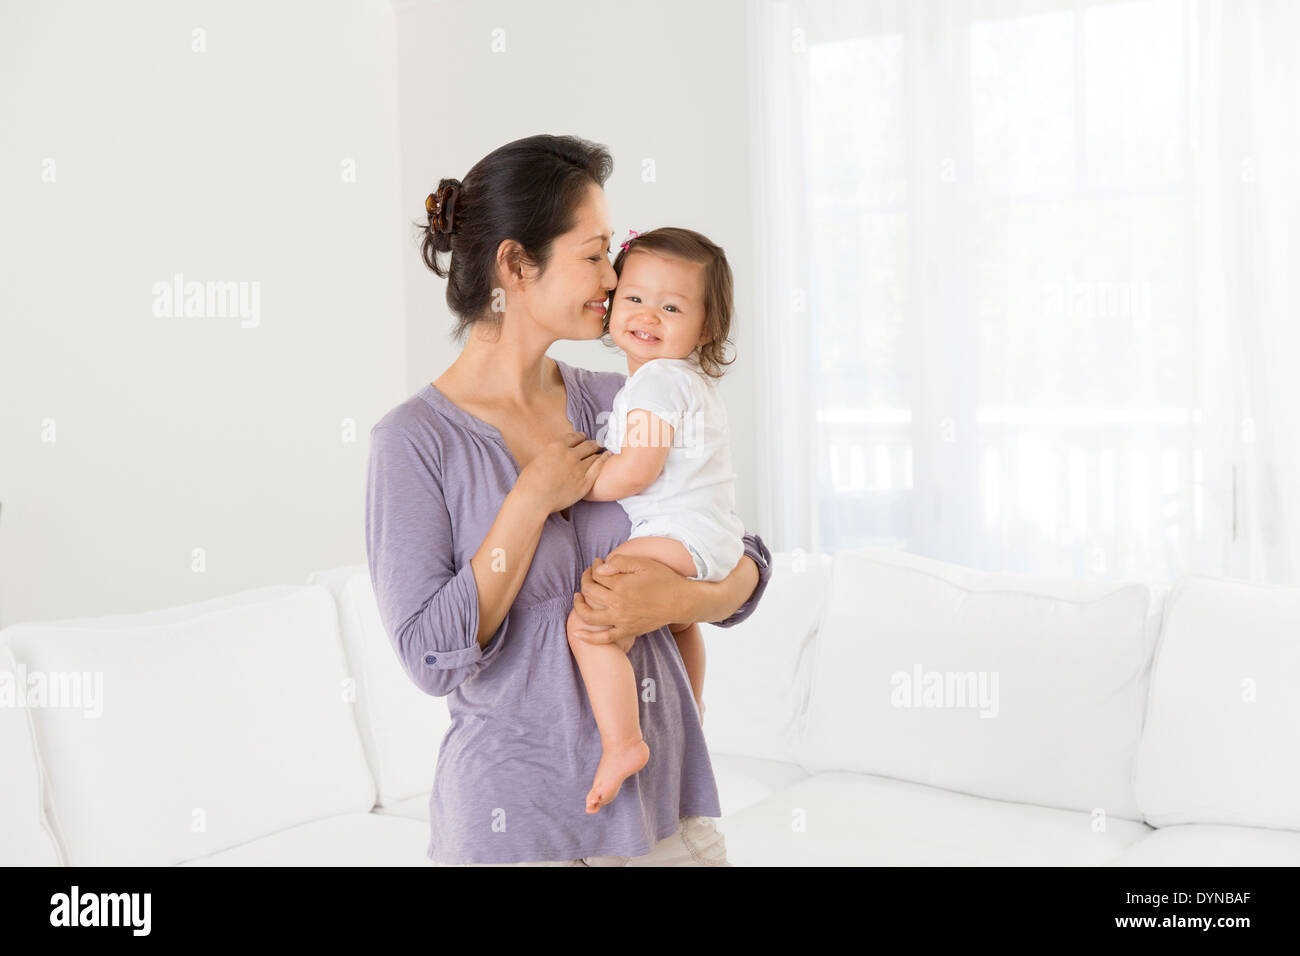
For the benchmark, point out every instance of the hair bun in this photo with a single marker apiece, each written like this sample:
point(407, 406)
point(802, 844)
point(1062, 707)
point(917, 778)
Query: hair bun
point(441, 207)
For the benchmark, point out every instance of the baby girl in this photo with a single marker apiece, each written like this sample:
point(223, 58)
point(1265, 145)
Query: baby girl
point(671, 467)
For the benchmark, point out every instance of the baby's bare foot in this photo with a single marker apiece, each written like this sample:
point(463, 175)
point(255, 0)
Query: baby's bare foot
point(617, 763)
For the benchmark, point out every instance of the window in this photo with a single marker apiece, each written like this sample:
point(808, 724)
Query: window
point(997, 303)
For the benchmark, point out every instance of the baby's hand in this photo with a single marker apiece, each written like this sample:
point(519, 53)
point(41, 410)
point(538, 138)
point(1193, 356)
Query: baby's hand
point(595, 493)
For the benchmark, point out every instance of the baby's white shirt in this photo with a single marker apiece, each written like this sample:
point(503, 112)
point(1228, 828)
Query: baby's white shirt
point(697, 477)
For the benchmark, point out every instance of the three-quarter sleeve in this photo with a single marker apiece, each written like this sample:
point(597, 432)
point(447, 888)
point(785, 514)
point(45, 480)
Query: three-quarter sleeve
point(756, 549)
point(429, 607)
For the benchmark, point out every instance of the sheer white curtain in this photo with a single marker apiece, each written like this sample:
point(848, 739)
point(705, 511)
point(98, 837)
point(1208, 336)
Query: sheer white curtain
point(1028, 298)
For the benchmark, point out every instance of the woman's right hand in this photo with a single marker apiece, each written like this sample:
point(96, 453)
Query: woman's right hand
point(562, 472)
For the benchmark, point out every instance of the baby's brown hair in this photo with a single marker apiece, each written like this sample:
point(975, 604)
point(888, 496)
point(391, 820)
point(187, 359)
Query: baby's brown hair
point(718, 286)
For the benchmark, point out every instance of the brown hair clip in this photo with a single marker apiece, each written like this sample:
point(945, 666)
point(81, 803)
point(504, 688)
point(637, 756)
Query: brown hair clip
point(441, 207)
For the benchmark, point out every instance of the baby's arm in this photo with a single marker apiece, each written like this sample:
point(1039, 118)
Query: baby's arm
point(640, 461)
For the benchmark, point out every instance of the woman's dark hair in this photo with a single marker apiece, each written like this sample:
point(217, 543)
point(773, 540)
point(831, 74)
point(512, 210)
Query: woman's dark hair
point(717, 286)
point(529, 191)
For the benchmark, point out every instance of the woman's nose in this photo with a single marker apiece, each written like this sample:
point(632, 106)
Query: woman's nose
point(609, 278)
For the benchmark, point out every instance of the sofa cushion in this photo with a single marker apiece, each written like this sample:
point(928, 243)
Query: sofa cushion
point(352, 839)
point(756, 682)
point(1223, 720)
point(402, 727)
point(745, 781)
point(216, 724)
point(849, 819)
point(1207, 845)
point(998, 685)
point(24, 839)
point(413, 808)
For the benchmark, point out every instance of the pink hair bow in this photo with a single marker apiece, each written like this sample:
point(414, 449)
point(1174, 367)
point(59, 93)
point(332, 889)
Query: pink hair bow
point(631, 234)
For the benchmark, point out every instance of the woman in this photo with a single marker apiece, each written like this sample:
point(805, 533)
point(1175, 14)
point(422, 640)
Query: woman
point(482, 553)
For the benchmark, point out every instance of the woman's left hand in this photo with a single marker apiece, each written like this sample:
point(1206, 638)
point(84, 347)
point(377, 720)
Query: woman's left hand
point(633, 596)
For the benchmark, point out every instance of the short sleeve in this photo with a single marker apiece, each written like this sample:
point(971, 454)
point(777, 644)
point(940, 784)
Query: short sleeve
point(663, 388)
point(756, 549)
point(429, 607)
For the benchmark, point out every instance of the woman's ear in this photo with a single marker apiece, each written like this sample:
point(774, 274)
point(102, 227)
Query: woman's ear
point(512, 263)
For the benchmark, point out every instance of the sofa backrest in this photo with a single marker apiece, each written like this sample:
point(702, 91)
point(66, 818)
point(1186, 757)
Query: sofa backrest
point(758, 671)
point(401, 726)
point(1222, 737)
point(24, 838)
point(999, 685)
point(194, 729)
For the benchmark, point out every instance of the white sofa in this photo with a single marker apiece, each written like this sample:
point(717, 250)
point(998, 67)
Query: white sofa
point(878, 708)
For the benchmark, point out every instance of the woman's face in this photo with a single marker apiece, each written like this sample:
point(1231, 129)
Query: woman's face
point(569, 298)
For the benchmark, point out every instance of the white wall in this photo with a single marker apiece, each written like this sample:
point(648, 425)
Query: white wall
point(180, 433)
point(665, 82)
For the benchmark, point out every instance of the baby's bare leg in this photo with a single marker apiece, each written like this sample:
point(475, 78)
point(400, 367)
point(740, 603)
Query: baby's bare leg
point(611, 687)
point(667, 551)
point(690, 642)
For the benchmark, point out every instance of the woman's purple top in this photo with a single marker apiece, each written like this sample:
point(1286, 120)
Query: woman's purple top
point(516, 764)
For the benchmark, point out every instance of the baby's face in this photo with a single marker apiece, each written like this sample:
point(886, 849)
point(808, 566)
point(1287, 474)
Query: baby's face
point(658, 308)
